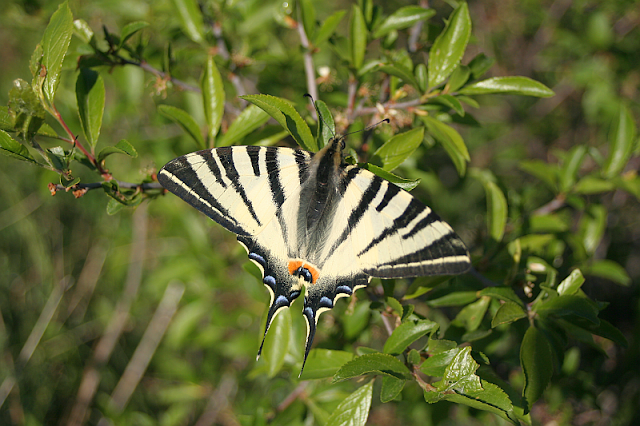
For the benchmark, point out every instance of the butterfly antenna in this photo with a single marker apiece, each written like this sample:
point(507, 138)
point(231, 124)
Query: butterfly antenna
point(369, 127)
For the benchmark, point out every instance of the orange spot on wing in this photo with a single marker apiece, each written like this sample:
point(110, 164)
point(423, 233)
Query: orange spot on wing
point(295, 264)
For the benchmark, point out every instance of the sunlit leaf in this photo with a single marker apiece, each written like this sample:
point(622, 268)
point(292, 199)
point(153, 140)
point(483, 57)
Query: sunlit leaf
point(55, 43)
point(449, 46)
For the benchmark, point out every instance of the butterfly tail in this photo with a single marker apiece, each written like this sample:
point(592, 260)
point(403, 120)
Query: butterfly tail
point(311, 315)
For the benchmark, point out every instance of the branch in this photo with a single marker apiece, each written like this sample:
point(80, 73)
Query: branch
point(551, 206)
point(312, 87)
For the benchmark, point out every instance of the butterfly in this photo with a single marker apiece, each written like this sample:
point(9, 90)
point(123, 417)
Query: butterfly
point(314, 224)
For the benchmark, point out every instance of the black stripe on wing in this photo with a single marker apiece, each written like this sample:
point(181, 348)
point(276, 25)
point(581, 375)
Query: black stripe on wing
point(179, 177)
point(283, 287)
point(225, 154)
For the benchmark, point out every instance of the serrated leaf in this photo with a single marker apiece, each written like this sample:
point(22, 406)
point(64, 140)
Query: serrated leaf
point(190, 19)
point(398, 148)
point(391, 388)
point(490, 398)
point(404, 17)
point(55, 43)
point(249, 119)
point(451, 141)
point(276, 343)
point(375, 363)
point(130, 29)
point(406, 184)
point(536, 360)
point(508, 85)
point(572, 283)
point(507, 313)
point(622, 139)
point(497, 210)
point(407, 333)
point(354, 410)
point(449, 46)
point(357, 37)
point(460, 374)
point(12, 148)
point(436, 364)
point(328, 27)
point(323, 363)
point(285, 114)
point(326, 125)
point(212, 97)
point(90, 97)
point(395, 305)
point(610, 270)
point(184, 120)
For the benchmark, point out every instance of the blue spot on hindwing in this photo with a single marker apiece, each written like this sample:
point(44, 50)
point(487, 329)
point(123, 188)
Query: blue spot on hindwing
point(325, 302)
point(294, 295)
point(257, 258)
point(281, 301)
point(308, 312)
point(344, 289)
point(270, 281)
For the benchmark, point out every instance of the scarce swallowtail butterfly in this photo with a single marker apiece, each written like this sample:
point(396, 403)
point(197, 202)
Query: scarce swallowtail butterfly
point(314, 225)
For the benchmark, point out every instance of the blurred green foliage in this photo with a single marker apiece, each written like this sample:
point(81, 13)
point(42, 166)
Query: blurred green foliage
point(134, 309)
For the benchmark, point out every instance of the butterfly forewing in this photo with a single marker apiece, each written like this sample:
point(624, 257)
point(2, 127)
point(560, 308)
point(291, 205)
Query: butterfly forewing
point(331, 243)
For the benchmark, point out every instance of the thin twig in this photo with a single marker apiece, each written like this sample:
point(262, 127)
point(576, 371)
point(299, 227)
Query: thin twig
point(104, 348)
point(128, 185)
point(351, 97)
point(312, 87)
point(290, 399)
point(551, 206)
point(147, 346)
point(163, 75)
point(219, 400)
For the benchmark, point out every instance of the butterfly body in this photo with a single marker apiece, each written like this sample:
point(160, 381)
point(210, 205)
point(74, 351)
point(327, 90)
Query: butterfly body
point(314, 225)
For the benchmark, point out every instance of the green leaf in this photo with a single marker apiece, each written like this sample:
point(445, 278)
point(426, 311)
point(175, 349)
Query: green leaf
point(404, 17)
point(122, 147)
point(354, 410)
point(479, 65)
point(285, 114)
point(572, 283)
point(490, 398)
point(421, 76)
point(451, 141)
point(400, 71)
point(130, 29)
point(571, 166)
point(406, 184)
point(471, 315)
point(249, 120)
point(436, 365)
point(459, 77)
point(407, 333)
point(507, 313)
point(508, 85)
point(213, 98)
point(536, 360)
point(25, 109)
point(398, 148)
point(456, 298)
point(184, 120)
point(90, 98)
point(547, 173)
point(82, 30)
point(328, 27)
point(459, 376)
point(610, 270)
point(497, 210)
point(450, 101)
point(501, 293)
point(12, 148)
point(276, 344)
point(391, 388)
point(569, 305)
point(374, 363)
point(323, 363)
point(55, 43)
point(622, 140)
point(358, 37)
point(593, 185)
point(449, 46)
point(6, 123)
point(190, 19)
point(326, 126)
point(308, 13)
point(592, 226)
point(395, 305)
